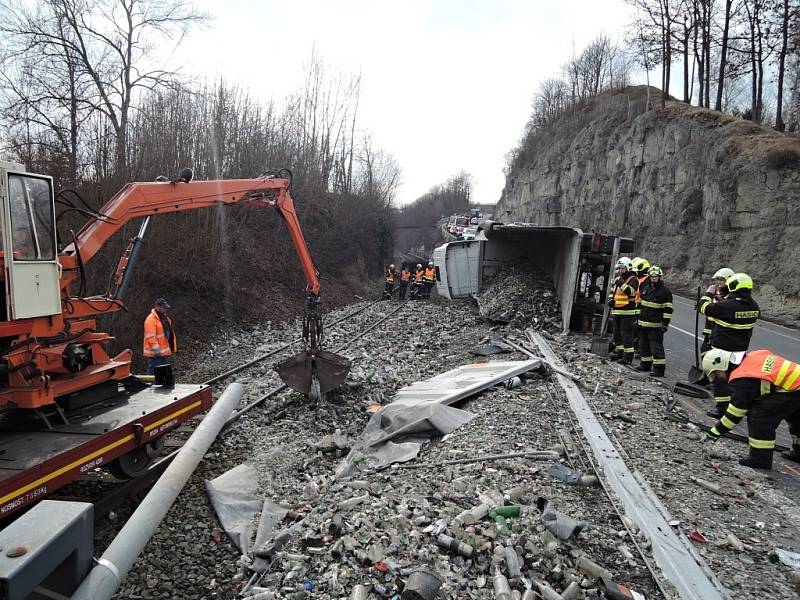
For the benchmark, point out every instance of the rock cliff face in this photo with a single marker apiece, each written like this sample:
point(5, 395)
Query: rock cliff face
point(696, 189)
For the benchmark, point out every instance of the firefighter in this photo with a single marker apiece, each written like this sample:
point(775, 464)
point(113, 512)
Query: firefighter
point(405, 279)
point(622, 300)
point(766, 389)
point(160, 341)
point(654, 317)
point(428, 279)
point(714, 292)
point(388, 286)
point(416, 285)
point(734, 317)
point(639, 266)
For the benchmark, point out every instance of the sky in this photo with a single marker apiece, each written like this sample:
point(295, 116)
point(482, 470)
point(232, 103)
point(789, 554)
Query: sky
point(447, 85)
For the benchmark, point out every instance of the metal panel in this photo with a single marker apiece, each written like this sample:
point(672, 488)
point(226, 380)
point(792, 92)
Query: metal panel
point(58, 539)
point(464, 381)
point(674, 555)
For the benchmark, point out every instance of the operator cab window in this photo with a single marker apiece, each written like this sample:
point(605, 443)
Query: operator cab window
point(32, 220)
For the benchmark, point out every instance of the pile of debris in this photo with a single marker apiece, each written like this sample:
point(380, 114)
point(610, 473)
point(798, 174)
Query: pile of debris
point(521, 296)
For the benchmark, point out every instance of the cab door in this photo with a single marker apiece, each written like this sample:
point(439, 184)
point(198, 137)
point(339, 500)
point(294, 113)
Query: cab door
point(29, 245)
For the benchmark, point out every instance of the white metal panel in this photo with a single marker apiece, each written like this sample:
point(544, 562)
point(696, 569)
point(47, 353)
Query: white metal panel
point(675, 556)
point(32, 287)
point(459, 269)
point(464, 381)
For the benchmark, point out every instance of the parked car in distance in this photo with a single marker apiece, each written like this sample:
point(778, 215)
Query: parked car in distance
point(470, 233)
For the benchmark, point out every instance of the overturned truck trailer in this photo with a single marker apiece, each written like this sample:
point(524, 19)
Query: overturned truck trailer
point(578, 264)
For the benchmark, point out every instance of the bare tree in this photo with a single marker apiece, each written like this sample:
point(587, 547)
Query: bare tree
point(723, 57)
point(109, 43)
point(787, 13)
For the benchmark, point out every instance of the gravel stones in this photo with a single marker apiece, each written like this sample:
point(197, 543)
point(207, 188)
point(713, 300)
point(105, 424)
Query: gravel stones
point(521, 297)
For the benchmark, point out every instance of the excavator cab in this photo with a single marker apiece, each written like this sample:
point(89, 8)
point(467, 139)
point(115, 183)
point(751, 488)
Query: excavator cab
point(31, 270)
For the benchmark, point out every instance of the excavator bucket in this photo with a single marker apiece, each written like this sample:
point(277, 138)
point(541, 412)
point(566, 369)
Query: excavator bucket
point(304, 371)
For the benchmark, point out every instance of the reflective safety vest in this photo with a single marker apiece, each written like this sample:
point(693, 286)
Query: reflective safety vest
point(405, 275)
point(775, 372)
point(430, 275)
point(390, 276)
point(156, 342)
point(638, 297)
point(625, 295)
point(418, 275)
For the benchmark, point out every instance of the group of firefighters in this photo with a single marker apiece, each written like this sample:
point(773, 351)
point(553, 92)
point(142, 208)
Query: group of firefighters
point(759, 385)
point(420, 282)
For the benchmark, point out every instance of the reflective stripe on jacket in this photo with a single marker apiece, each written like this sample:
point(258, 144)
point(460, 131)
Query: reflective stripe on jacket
point(761, 373)
point(390, 275)
point(418, 275)
point(156, 342)
point(430, 275)
point(625, 288)
point(734, 319)
point(655, 307)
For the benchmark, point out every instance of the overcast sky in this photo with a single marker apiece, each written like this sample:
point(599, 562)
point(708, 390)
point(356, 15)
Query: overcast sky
point(446, 84)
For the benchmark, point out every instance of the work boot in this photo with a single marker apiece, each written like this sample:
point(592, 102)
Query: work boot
point(644, 367)
point(751, 462)
point(615, 356)
point(658, 371)
point(627, 358)
point(793, 454)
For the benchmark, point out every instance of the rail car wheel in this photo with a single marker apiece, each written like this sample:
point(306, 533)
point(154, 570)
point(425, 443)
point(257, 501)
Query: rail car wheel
point(135, 463)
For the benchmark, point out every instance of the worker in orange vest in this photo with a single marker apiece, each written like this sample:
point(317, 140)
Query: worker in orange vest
point(765, 388)
point(160, 341)
point(405, 279)
point(428, 279)
point(388, 287)
point(416, 287)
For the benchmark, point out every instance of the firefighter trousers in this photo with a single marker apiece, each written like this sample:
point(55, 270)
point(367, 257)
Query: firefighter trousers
point(388, 288)
point(651, 348)
point(623, 335)
point(763, 420)
point(403, 290)
point(721, 389)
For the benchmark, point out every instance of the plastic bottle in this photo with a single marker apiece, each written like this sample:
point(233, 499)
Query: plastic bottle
point(351, 502)
point(359, 592)
point(584, 565)
point(454, 545)
point(502, 591)
point(512, 562)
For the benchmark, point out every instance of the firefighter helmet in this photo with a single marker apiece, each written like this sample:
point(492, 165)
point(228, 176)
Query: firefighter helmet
point(738, 282)
point(655, 271)
point(624, 263)
point(391, 266)
point(723, 273)
point(419, 265)
point(716, 360)
point(640, 264)
point(430, 263)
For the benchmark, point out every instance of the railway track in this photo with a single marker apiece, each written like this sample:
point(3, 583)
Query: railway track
point(121, 491)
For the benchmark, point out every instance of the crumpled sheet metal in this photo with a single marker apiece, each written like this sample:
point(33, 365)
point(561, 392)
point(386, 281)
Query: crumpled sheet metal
point(421, 410)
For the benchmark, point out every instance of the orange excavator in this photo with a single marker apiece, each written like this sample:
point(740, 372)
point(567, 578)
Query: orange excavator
point(50, 348)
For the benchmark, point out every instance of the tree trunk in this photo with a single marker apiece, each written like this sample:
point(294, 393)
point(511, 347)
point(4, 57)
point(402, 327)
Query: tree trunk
point(708, 4)
point(723, 58)
point(686, 96)
point(699, 57)
point(779, 124)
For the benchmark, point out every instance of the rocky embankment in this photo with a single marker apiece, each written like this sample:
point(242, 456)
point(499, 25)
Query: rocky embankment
point(697, 190)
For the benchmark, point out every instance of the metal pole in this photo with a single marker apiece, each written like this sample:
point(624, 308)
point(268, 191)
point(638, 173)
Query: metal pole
point(104, 579)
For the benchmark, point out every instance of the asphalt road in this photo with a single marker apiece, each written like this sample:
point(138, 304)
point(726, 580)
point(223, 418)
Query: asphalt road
point(679, 340)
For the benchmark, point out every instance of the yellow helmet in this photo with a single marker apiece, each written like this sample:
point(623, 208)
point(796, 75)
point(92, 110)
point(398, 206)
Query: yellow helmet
point(640, 264)
point(738, 282)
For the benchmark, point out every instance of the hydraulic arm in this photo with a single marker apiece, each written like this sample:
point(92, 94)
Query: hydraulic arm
point(59, 351)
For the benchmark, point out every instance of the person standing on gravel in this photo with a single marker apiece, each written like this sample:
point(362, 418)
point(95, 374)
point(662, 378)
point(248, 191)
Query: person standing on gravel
point(388, 286)
point(160, 341)
point(765, 388)
point(622, 300)
point(655, 312)
point(416, 287)
point(405, 279)
point(428, 279)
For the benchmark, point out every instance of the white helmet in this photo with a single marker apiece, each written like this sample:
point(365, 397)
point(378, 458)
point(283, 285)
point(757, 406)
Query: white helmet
point(716, 360)
point(724, 273)
point(624, 263)
point(391, 266)
point(419, 265)
point(430, 263)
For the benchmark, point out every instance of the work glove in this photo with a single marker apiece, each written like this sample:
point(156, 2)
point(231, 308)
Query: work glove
point(664, 328)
